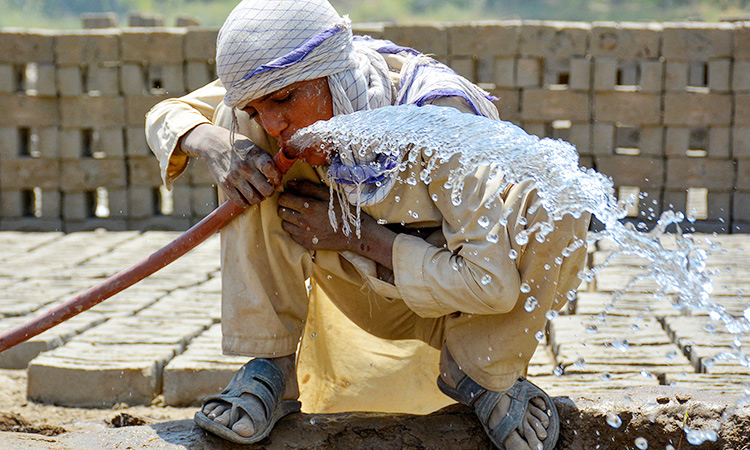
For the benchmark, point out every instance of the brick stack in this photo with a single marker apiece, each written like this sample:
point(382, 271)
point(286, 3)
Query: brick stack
point(741, 129)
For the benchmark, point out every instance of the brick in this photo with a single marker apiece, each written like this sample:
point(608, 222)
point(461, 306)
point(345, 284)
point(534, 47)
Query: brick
point(580, 74)
point(143, 172)
point(87, 174)
point(110, 142)
point(200, 44)
point(7, 79)
point(466, 67)
point(713, 174)
point(69, 81)
point(652, 76)
point(98, 20)
point(9, 145)
point(719, 142)
point(555, 72)
point(51, 204)
point(603, 139)
point(141, 202)
point(135, 142)
point(485, 69)
point(508, 103)
point(651, 141)
point(677, 141)
point(46, 142)
point(548, 39)
point(720, 75)
point(626, 40)
point(71, 144)
point(697, 41)
point(742, 41)
point(485, 39)
point(21, 46)
point(741, 211)
point(12, 203)
point(133, 79)
point(741, 76)
point(697, 109)
point(167, 78)
point(643, 171)
point(89, 112)
point(677, 76)
point(548, 105)
point(161, 47)
point(431, 39)
point(27, 173)
point(743, 174)
point(742, 109)
point(45, 85)
point(75, 206)
point(197, 75)
point(605, 74)
point(183, 199)
point(718, 209)
point(117, 199)
point(741, 142)
point(199, 175)
point(528, 72)
point(535, 128)
point(87, 47)
point(633, 108)
point(203, 200)
point(104, 80)
point(580, 137)
point(30, 111)
point(505, 70)
point(136, 108)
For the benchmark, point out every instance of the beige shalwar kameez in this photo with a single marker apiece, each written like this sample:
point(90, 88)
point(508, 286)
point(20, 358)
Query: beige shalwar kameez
point(464, 293)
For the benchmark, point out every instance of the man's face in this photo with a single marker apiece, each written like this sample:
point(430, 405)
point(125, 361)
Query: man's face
point(294, 107)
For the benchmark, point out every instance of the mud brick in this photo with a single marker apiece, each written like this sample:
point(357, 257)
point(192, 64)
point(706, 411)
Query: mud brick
point(87, 47)
point(486, 39)
point(742, 109)
point(485, 68)
point(466, 67)
point(627, 41)
point(200, 44)
point(203, 200)
point(168, 77)
point(9, 144)
point(141, 202)
point(627, 107)
point(7, 79)
point(651, 141)
point(199, 174)
point(586, 161)
point(51, 203)
point(71, 144)
point(75, 206)
point(91, 112)
point(182, 201)
point(117, 199)
point(556, 72)
point(580, 74)
point(95, 223)
point(431, 39)
point(743, 174)
point(603, 139)
point(161, 47)
point(580, 137)
point(30, 111)
point(741, 142)
point(713, 174)
point(677, 76)
point(719, 142)
point(677, 141)
point(508, 103)
point(697, 41)
point(741, 211)
point(136, 108)
point(110, 142)
point(719, 75)
point(697, 109)
point(644, 171)
point(143, 172)
point(135, 142)
point(741, 76)
point(548, 39)
point(12, 203)
point(133, 79)
point(197, 74)
point(505, 69)
point(98, 20)
point(69, 81)
point(27, 173)
point(45, 85)
point(166, 223)
point(21, 46)
point(105, 80)
point(535, 128)
point(548, 105)
point(742, 41)
point(86, 174)
point(652, 74)
point(605, 73)
point(528, 72)
point(718, 205)
point(47, 143)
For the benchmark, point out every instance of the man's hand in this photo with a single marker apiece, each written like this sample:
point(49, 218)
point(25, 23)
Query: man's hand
point(245, 172)
point(303, 208)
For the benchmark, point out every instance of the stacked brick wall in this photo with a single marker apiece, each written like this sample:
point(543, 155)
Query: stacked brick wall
point(664, 109)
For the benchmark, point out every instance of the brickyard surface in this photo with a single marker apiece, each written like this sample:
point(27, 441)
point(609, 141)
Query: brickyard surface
point(161, 339)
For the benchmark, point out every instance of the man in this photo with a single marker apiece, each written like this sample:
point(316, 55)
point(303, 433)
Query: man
point(422, 269)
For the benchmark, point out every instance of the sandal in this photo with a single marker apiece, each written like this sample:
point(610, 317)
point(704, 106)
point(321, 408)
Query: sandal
point(261, 378)
point(483, 401)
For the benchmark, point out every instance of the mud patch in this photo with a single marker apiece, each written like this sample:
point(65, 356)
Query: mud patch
point(125, 420)
point(16, 423)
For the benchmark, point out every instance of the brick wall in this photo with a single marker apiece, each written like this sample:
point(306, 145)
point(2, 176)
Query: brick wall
point(664, 109)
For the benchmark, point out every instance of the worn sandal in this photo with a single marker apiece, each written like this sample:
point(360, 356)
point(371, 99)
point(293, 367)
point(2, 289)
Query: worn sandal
point(483, 401)
point(261, 378)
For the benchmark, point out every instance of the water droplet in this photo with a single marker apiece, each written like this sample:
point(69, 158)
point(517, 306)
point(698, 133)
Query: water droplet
point(546, 267)
point(606, 377)
point(620, 344)
point(314, 335)
point(571, 295)
point(613, 420)
point(525, 288)
point(483, 222)
point(641, 443)
point(306, 205)
point(558, 371)
point(539, 335)
point(397, 199)
point(530, 304)
point(411, 181)
point(592, 329)
point(522, 239)
point(434, 197)
point(512, 254)
point(486, 279)
point(646, 374)
point(671, 354)
point(382, 222)
point(314, 240)
point(551, 314)
point(492, 238)
point(312, 421)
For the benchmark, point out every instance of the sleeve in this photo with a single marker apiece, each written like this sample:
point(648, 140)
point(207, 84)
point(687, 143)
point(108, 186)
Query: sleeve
point(170, 119)
point(473, 272)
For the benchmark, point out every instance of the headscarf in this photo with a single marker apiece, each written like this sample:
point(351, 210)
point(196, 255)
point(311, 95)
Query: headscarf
point(266, 45)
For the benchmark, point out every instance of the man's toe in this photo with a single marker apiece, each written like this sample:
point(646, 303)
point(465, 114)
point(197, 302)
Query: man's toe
point(536, 425)
point(223, 418)
point(244, 426)
point(516, 442)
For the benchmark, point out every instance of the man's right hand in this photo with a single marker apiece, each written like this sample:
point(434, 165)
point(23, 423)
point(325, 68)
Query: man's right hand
point(245, 172)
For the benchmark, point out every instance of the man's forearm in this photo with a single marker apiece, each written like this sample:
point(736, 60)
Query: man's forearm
point(200, 139)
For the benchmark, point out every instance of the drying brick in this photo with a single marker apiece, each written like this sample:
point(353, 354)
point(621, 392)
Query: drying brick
point(30, 111)
point(605, 73)
point(690, 41)
point(741, 142)
point(69, 81)
point(45, 84)
point(683, 173)
point(508, 103)
point(9, 147)
point(136, 108)
point(91, 112)
point(21, 46)
point(697, 109)
point(719, 75)
point(143, 172)
point(627, 40)
point(580, 74)
point(27, 173)
point(627, 107)
point(466, 67)
point(197, 74)
point(742, 109)
point(485, 39)
point(141, 202)
point(135, 142)
point(7, 79)
point(11, 203)
point(742, 42)
point(170, 77)
point(87, 47)
point(47, 144)
point(133, 79)
point(431, 39)
point(652, 74)
point(549, 39)
point(161, 47)
point(743, 174)
point(676, 78)
point(528, 72)
point(643, 171)
point(548, 105)
point(87, 174)
point(200, 45)
point(203, 200)
point(104, 79)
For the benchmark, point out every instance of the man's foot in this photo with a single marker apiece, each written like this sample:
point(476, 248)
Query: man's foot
point(533, 430)
point(255, 398)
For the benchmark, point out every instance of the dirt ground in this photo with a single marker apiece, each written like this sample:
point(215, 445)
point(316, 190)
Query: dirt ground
point(19, 414)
